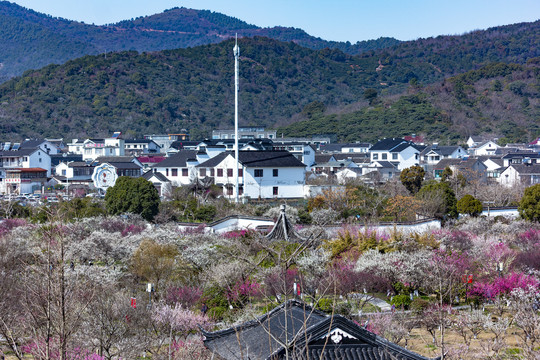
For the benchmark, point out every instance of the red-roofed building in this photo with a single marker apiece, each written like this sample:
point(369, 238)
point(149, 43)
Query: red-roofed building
point(24, 180)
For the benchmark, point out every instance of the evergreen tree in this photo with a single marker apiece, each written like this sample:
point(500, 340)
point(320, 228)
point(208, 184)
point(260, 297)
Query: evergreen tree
point(133, 195)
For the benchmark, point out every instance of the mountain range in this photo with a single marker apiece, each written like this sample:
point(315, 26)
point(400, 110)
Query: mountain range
point(31, 40)
point(448, 87)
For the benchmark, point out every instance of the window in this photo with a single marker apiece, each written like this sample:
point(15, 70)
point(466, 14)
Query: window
point(375, 156)
point(240, 172)
point(275, 191)
point(64, 172)
point(212, 172)
point(174, 172)
point(240, 190)
point(258, 173)
point(220, 172)
point(394, 156)
point(384, 156)
point(202, 172)
point(184, 172)
point(166, 172)
point(275, 172)
point(229, 190)
point(229, 172)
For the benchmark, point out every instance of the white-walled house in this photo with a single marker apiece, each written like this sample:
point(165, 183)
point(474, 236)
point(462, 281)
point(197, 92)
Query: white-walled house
point(261, 174)
point(95, 148)
point(179, 168)
point(527, 174)
point(141, 146)
point(486, 148)
point(45, 145)
point(303, 152)
point(26, 158)
point(356, 148)
point(432, 154)
point(401, 153)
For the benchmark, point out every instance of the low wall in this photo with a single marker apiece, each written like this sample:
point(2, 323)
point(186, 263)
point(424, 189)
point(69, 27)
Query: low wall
point(408, 227)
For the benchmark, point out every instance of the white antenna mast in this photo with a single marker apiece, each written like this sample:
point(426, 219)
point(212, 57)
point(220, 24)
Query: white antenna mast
point(236, 52)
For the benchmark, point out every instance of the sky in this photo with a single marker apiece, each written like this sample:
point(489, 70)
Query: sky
point(338, 20)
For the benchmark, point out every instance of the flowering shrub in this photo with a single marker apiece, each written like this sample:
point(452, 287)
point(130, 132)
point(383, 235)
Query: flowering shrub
point(244, 289)
point(237, 234)
point(181, 321)
point(528, 240)
point(8, 224)
point(187, 296)
point(503, 285)
point(132, 230)
point(37, 347)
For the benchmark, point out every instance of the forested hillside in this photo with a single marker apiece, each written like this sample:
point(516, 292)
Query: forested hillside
point(30, 40)
point(437, 86)
point(499, 99)
point(185, 88)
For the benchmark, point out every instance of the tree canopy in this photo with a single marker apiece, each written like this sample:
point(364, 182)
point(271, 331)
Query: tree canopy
point(529, 206)
point(133, 195)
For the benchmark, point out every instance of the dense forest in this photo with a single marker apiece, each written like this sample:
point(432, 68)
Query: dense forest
point(448, 87)
point(31, 40)
point(498, 99)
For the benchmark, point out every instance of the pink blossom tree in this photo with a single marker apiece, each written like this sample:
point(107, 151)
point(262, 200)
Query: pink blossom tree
point(180, 322)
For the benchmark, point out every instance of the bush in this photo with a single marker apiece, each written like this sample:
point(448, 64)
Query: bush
point(401, 301)
point(418, 305)
point(217, 313)
point(468, 204)
point(325, 304)
point(529, 206)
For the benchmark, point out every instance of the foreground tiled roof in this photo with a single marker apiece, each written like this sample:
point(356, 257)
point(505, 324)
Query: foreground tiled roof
point(306, 333)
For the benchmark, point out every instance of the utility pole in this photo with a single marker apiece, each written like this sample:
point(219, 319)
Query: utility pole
point(236, 52)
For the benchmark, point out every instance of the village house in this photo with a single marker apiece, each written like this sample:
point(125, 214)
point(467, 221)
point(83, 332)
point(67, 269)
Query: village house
point(261, 174)
point(399, 152)
point(139, 147)
point(179, 168)
point(527, 174)
point(432, 154)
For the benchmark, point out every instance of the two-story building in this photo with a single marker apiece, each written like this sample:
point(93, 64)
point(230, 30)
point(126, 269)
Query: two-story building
point(138, 147)
point(179, 168)
point(401, 153)
point(432, 154)
point(261, 174)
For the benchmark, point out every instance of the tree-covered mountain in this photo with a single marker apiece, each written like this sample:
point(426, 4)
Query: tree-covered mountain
point(184, 88)
point(501, 100)
point(31, 40)
point(192, 88)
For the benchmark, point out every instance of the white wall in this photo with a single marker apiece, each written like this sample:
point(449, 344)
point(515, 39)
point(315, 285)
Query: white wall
point(408, 157)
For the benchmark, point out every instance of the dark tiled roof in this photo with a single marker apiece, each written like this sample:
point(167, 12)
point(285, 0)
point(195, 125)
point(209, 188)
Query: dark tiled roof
point(115, 159)
point(20, 152)
point(269, 159)
point(521, 155)
point(300, 327)
point(447, 162)
point(387, 144)
point(149, 174)
point(79, 164)
point(322, 158)
point(178, 160)
point(31, 144)
point(386, 164)
point(332, 147)
point(138, 141)
point(523, 169)
point(352, 156)
point(58, 158)
point(257, 159)
point(442, 150)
